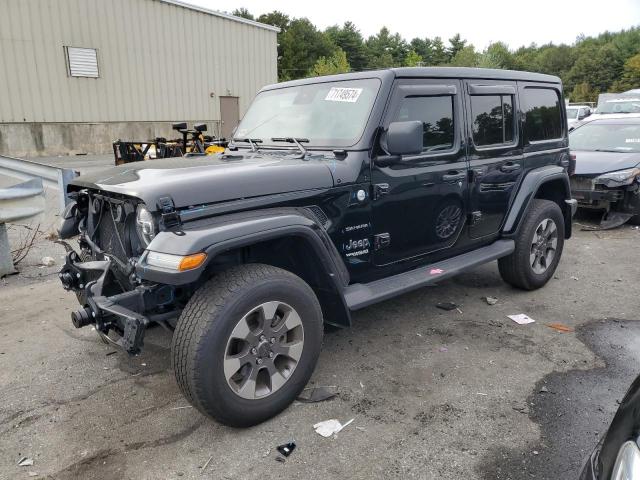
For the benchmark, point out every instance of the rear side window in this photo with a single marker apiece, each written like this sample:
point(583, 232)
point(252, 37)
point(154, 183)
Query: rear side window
point(543, 114)
point(436, 115)
point(492, 119)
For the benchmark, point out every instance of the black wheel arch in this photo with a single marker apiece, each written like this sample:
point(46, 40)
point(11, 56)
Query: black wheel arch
point(288, 238)
point(550, 182)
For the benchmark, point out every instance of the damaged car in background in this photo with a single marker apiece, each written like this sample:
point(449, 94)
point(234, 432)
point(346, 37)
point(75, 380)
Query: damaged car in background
point(606, 178)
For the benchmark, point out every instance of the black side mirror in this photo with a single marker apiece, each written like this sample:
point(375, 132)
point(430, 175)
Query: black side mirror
point(179, 126)
point(405, 138)
point(200, 127)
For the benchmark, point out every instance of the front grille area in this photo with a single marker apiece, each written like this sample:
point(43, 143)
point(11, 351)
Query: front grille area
point(107, 234)
point(582, 183)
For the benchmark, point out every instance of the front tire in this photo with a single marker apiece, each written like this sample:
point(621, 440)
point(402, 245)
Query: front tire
point(539, 244)
point(247, 343)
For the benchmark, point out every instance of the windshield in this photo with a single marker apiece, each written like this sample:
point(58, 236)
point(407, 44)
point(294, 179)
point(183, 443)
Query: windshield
point(572, 113)
point(606, 137)
point(618, 103)
point(331, 114)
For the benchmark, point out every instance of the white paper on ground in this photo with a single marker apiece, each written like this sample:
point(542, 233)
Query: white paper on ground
point(329, 427)
point(521, 319)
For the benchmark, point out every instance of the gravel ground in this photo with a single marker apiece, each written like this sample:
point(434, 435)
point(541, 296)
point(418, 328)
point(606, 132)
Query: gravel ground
point(434, 394)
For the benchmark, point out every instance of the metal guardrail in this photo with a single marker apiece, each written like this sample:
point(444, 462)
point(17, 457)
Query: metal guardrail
point(18, 202)
point(51, 176)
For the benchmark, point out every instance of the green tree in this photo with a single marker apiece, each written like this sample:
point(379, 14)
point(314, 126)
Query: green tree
point(424, 48)
point(349, 39)
point(275, 18)
point(302, 45)
point(243, 12)
point(439, 54)
point(583, 93)
point(384, 46)
point(598, 66)
point(467, 57)
point(336, 63)
point(630, 75)
point(456, 44)
point(412, 59)
point(497, 55)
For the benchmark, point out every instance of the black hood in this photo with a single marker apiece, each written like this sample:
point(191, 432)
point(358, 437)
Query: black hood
point(213, 178)
point(597, 163)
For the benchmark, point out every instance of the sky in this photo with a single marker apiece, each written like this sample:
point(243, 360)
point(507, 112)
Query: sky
point(479, 21)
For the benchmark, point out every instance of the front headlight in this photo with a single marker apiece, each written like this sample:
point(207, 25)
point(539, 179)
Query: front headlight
point(145, 224)
point(621, 177)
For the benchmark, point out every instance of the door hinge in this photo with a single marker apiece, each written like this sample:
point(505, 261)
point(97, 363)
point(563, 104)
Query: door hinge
point(475, 217)
point(381, 240)
point(380, 189)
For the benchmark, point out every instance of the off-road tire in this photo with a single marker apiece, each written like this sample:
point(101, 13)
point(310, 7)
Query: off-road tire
point(200, 339)
point(516, 268)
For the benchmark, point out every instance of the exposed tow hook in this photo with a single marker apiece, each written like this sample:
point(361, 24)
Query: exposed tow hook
point(82, 318)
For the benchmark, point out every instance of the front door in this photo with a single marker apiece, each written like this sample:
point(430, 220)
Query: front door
point(495, 152)
point(419, 203)
point(229, 115)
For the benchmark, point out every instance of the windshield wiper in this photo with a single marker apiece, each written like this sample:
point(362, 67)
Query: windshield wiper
point(253, 142)
point(297, 141)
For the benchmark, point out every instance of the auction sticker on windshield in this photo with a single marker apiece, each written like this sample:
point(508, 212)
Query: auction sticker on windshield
point(343, 94)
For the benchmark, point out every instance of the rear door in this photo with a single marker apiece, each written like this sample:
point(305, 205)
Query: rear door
point(495, 154)
point(420, 203)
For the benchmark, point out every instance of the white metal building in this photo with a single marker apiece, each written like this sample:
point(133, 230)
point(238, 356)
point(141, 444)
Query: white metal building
point(75, 75)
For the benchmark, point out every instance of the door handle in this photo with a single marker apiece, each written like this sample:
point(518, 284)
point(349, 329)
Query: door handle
point(454, 176)
point(510, 167)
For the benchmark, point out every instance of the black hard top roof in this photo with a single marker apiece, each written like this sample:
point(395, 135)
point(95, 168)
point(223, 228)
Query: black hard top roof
point(428, 72)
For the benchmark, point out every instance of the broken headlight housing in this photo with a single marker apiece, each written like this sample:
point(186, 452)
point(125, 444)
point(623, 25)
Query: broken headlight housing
point(619, 178)
point(145, 224)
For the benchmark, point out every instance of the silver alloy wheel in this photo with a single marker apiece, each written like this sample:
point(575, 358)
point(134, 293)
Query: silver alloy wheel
point(263, 350)
point(543, 246)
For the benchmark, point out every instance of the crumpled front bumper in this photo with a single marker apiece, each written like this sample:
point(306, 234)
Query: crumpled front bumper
point(127, 313)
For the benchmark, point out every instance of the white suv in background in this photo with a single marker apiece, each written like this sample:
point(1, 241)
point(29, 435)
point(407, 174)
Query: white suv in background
point(577, 113)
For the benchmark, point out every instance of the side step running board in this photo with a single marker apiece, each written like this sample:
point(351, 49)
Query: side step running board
point(360, 295)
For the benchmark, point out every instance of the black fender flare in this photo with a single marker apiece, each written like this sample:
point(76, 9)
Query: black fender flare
point(217, 235)
point(529, 187)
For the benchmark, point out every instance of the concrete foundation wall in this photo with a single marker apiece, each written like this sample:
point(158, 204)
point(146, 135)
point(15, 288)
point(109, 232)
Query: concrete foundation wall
point(47, 139)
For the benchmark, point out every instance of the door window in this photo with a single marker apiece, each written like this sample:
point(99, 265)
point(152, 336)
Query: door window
point(492, 120)
point(436, 115)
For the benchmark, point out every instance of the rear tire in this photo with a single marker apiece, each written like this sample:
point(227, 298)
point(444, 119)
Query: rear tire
point(247, 343)
point(539, 244)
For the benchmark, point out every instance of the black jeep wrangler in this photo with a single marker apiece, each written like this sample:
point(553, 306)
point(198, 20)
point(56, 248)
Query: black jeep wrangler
point(334, 194)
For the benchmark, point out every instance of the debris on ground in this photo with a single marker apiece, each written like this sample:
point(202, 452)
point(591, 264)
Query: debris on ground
point(448, 306)
point(317, 394)
point(491, 300)
point(521, 319)
point(33, 474)
point(25, 462)
point(52, 236)
point(330, 427)
point(48, 261)
point(183, 407)
point(560, 327)
point(573, 277)
point(443, 349)
point(280, 459)
point(287, 448)
point(204, 467)
point(544, 389)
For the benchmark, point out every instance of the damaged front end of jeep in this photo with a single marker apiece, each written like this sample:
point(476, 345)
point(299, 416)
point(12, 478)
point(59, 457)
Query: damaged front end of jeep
point(105, 271)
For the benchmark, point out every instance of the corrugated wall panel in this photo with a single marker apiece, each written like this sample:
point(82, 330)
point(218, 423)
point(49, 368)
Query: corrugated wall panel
point(157, 62)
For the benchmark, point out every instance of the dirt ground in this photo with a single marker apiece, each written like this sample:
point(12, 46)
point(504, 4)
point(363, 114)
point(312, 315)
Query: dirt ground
point(434, 394)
